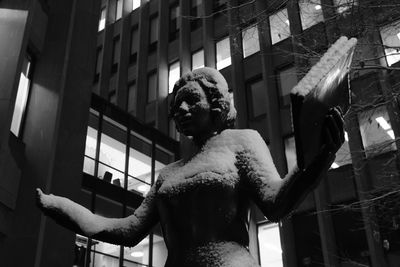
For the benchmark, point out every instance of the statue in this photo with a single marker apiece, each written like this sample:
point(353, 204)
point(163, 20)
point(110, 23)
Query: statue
point(202, 201)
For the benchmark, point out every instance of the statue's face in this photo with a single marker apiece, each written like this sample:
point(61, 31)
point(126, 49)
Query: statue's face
point(192, 108)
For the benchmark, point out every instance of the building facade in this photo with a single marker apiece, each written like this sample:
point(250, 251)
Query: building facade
point(85, 93)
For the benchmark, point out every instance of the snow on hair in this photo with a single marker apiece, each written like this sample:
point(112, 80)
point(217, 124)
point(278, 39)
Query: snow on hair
point(216, 89)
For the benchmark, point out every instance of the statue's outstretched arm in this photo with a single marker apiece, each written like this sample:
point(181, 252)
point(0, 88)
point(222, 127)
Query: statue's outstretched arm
point(123, 231)
point(277, 197)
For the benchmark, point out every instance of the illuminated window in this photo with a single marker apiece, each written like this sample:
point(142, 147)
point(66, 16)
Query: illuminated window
point(174, 24)
point(310, 13)
point(258, 95)
point(279, 26)
point(223, 53)
point(135, 4)
point(22, 97)
point(173, 75)
point(343, 156)
point(118, 13)
point(152, 87)
point(287, 80)
point(132, 98)
point(250, 41)
point(270, 244)
point(391, 41)
point(102, 20)
point(376, 132)
point(198, 59)
point(344, 5)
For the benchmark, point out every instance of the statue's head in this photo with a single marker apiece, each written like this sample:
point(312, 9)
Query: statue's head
point(212, 84)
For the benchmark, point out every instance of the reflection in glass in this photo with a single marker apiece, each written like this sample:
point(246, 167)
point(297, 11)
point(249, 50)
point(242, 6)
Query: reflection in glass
point(112, 152)
point(251, 44)
point(376, 132)
point(290, 152)
point(137, 255)
point(223, 53)
point(310, 13)
point(270, 245)
point(391, 40)
point(279, 26)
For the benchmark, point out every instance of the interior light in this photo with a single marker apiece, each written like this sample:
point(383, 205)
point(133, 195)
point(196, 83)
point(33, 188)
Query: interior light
point(143, 188)
point(334, 165)
point(346, 136)
point(391, 134)
point(287, 22)
point(137, 254)
point(398, 35)
point(383, 123)
point(317, 7)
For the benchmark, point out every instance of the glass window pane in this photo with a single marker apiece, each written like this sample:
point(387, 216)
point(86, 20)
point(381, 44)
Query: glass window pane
point(118, 14)
point(173, 75)
point(134, 40)
point(152, 87)
point(290, 153)
point(102, 20)
point(287, 80)
point(391, 38)
point(116, 49)
point(251, 43)
point(198, 59)
point(153, 30)
point(159, 251)
point(112, 152)
point(99, 58)
point(104, 254)
point(21, 98)
point(376, 132)
point(310, 13)
point(258, 96)
point(344, 5)
point(132, 98)
point(270, 245)
point(279, 26)
point(223, 53)
point(135, 4)
point(343, 156)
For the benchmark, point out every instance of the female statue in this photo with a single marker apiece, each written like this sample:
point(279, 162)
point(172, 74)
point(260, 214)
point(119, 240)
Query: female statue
point(202, 201)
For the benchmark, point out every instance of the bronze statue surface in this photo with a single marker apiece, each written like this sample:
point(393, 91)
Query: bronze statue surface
point(202, 201)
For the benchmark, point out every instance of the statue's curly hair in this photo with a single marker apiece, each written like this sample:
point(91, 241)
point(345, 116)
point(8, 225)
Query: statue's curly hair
point(217, 92)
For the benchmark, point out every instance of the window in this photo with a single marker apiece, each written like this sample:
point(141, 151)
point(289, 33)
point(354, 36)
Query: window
point(250, 41)
point(391, 41)
point(174, 22)
point(153, 34)
point(220, 5)
point(102, 20)
point(279, 26)
point(99, 53)
point(195, 13)
point(115, 54)
point(135, 4)
point(223, 53)
point(132, 98)
point(269, 241)
point(344, 5)
point(287, 80)
point(310, 13)
point(22, 96)
point(376, 132)
point(134, 45)
point(198, 59)
point(152, 87)
point(343, 156)
point(174, 74)
point(257, 94)
point(290, 153)
point(118, 11)
point(112, 97)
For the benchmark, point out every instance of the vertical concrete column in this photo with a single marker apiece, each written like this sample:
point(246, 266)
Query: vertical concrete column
point(208, 34)
point(162, 59)
point(274, 129)
point(122, 78)
point(105, 72)
point(363, 184)
point(142, 59)
point(237, 70)
point(184, 37)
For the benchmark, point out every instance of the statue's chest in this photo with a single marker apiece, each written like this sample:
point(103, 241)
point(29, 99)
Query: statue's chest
point(207, 171)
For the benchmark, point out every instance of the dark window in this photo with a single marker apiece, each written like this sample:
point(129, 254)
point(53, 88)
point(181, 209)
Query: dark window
point(152, 87)
point(115, 54)
point(174, 22)
point(132, 98)
point(195, 14)
point(257, 95)
point(134, 45)
point(220, 6)
point(98, 64)
point(153, 35)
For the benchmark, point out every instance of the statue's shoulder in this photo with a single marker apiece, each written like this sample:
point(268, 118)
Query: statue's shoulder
point(245, 138)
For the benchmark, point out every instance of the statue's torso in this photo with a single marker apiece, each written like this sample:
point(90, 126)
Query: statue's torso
point(204, 210)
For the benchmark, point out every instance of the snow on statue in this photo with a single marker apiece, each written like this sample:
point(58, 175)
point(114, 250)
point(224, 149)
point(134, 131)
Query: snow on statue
point(202, 201)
